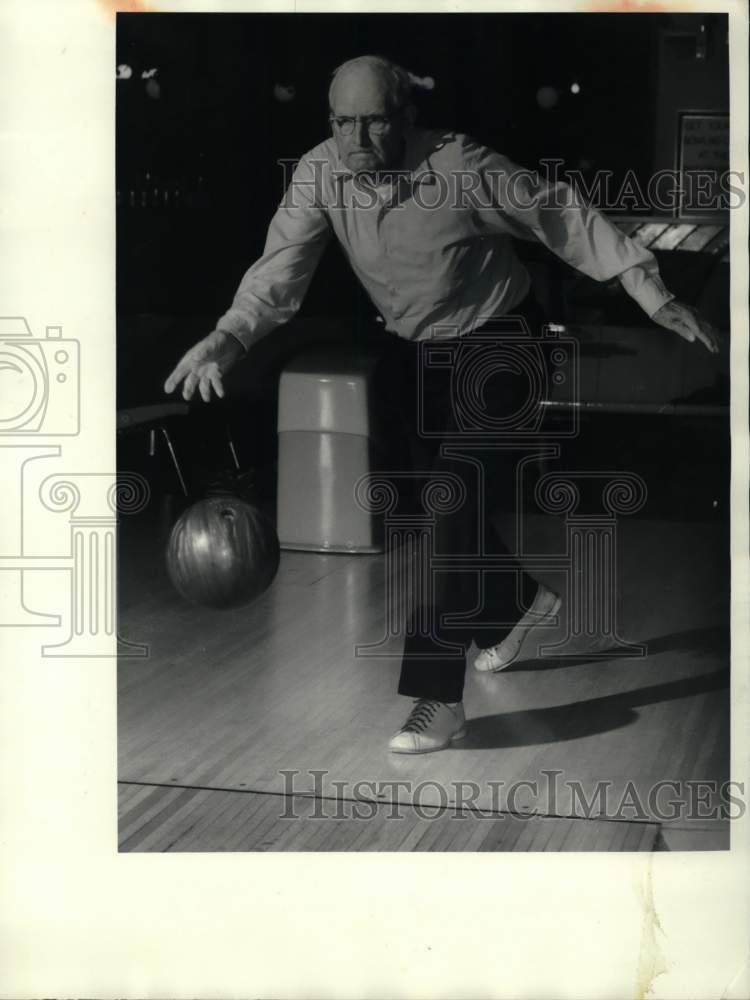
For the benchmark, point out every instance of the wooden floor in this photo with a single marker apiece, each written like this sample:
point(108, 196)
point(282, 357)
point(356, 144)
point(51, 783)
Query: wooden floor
point(159, 818)
point(227, 701)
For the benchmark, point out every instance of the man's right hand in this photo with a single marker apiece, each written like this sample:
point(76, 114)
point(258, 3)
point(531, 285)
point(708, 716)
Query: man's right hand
point(205, 364)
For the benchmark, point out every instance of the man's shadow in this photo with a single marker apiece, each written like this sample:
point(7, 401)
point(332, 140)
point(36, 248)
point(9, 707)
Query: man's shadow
point(575, 720)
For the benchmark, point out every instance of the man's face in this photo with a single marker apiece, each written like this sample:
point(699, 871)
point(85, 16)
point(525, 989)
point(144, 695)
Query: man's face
point(363, 95)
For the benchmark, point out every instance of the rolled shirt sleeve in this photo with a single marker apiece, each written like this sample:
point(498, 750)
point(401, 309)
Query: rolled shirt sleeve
point(272, 290)
point(554, 214)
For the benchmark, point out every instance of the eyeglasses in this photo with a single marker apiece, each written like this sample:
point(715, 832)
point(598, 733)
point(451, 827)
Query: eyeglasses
point(375, 124)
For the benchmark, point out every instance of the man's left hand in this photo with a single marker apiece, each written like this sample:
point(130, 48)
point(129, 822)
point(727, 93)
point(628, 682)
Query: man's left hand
point(688, 323)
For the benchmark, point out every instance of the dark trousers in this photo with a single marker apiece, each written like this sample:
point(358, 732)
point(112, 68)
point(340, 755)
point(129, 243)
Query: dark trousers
point(435, 403)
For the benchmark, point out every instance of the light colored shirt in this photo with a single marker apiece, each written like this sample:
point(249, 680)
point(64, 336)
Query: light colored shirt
point(433, 248)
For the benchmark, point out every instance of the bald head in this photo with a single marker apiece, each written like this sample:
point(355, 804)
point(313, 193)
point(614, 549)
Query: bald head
point(373, 78)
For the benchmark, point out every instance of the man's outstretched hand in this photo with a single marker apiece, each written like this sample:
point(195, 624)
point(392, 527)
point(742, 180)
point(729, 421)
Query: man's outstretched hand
point(689, 324)
point(204, 365)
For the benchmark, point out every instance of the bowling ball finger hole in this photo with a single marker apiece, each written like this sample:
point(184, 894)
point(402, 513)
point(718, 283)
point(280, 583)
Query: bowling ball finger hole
point(228, 514)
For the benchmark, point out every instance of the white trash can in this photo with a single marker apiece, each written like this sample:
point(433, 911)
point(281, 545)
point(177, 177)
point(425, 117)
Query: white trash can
point(326, 444)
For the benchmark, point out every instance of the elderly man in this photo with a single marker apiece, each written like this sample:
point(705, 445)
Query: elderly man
point(426, 219)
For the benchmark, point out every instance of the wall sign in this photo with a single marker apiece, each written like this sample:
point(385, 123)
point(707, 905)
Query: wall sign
point(703, 161)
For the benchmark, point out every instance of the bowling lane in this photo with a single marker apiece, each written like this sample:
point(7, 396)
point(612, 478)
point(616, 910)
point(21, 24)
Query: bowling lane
point(231, 699)
point(159, 818)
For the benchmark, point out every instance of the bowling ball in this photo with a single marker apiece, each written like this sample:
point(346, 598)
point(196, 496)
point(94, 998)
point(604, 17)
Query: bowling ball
point(222, 553)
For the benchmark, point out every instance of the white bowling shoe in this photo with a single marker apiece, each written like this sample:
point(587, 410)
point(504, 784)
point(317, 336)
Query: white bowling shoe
point(431, 725)
point(546, 605)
